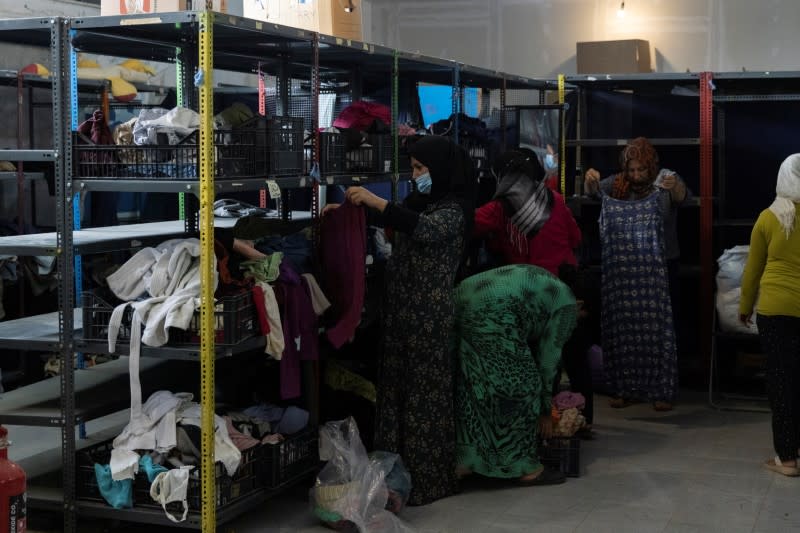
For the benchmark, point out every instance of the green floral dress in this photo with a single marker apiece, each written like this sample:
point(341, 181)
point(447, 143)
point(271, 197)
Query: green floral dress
point(415, 415)
point(511, 324)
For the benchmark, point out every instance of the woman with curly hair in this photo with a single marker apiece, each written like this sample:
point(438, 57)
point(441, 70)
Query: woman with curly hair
point(638, 231)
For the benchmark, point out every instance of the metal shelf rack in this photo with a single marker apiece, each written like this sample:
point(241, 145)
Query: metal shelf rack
point(195, 42)
point(717, 94)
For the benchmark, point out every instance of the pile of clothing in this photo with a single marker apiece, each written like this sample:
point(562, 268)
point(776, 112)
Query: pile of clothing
point(162, 442)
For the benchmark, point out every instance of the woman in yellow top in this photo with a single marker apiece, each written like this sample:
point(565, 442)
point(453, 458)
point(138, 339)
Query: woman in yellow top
point(773, 273)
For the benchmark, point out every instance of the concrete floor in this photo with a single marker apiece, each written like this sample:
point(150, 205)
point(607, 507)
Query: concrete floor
point(690, 470)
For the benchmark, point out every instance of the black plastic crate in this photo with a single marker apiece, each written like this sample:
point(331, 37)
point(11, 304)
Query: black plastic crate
point(235, 320)
point(292, 459)
point(279, 144)
point(234, 156)
point(228, 488)
point(562, 453)
point(337, 157)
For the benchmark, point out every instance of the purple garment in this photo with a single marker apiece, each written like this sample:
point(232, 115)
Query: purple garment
point(300, 326)
point(343, 250)
point(567, 400)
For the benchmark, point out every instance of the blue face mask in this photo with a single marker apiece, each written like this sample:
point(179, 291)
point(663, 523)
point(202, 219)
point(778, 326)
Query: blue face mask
point(549, 162)
point(424, 183)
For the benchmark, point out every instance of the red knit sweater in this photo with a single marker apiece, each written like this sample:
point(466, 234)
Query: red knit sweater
point(549, 248)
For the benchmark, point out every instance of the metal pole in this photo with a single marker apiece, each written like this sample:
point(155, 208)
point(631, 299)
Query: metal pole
point(207, 271)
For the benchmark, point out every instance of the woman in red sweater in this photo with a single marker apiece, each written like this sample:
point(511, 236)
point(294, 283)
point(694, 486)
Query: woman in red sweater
point(528, 223)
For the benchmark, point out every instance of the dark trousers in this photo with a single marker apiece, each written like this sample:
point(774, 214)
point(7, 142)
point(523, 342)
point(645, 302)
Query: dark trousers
point(575, 362)
point(780, 339)
point(574, 355)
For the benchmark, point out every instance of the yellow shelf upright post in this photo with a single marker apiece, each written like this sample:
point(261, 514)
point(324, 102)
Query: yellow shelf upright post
point(203, 80)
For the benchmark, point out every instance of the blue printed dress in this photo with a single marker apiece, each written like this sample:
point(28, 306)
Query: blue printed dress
point(639, 351)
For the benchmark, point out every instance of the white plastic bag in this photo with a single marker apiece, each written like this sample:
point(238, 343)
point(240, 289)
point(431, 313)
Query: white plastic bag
point(731, 266)
point(728, 313)
point(351, 490)
point(729, 289)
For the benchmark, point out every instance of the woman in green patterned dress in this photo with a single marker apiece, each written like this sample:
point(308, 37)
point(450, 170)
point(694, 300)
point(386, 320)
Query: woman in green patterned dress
point(511, 323)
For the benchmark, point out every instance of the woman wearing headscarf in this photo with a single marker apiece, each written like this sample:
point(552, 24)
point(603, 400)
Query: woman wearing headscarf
point(415, 416)
point(640, 263)
point(772, 273)
point(511, 324)
point(527, 222)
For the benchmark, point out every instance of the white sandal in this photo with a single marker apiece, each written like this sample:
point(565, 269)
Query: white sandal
point(776, 466)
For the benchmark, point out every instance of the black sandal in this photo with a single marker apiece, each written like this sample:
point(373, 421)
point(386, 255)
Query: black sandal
point(548, 476)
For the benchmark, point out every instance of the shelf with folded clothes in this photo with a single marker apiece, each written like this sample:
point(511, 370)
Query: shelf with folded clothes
point(155, 516)
point(236, 45)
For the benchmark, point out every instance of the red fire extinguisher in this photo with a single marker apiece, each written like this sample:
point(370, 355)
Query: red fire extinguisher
point(12, 490)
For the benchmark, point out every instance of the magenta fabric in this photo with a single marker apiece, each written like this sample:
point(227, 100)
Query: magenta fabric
point(343, 252)
point(261, 311)
point(567, 400)
point(360, 115)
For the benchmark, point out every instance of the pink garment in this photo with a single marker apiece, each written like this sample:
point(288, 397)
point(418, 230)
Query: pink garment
point(361, 114)
point(343, 252)
point(240, 440)
point(404, 130)
point(274, 438)
point(568, 400)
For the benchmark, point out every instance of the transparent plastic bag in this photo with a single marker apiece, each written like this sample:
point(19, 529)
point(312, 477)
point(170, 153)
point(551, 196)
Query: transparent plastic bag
point(398, 479)
point(351, 493)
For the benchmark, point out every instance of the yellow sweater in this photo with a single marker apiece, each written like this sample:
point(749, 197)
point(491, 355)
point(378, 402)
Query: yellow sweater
point(773, 268)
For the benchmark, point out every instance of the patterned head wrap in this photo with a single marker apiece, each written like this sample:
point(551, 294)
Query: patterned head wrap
point(526, 200)
point(638, 149)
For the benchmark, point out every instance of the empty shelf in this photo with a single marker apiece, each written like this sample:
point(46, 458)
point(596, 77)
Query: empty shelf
point(39, 332)
point(99, 390)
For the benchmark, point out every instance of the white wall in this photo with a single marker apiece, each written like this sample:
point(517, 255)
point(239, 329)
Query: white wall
point(46, 8)
point(537, 37)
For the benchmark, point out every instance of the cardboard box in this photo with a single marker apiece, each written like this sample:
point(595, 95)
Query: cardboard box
point(323, 16)
point(334, 20)
point(133, 7)
point(613, 57)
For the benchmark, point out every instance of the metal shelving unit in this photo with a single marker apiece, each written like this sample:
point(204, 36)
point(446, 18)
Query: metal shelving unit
point(51, 33)
point(716, 95)
point(734, 93)
point(637, 97)
point(202, 42)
